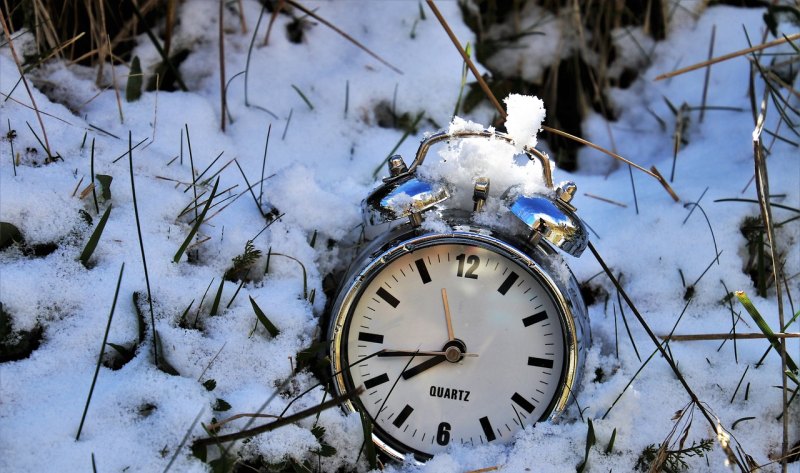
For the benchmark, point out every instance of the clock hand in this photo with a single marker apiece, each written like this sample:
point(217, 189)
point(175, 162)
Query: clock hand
point(425, 365)
point(390, 353)
point(447, 319)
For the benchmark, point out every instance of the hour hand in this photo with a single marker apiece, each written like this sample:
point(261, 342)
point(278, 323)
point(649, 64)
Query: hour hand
point(425, 365)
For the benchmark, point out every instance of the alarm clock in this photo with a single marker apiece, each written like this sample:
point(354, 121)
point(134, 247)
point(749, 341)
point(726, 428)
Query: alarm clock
point(461, 327)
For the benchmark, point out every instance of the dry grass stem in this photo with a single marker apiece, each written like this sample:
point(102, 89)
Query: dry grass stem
point(31, 108)
point(218, 425)
point(116, 91)
point(85, 192)
point(725, 57)
point(272, 19)
point(708, 72)
point(242, 22)
point(762, 188)
point(76, 187)
point(603, 199)
point(664, 183)
point(61, 47)
point(45, 31)
point(7, 32)
point(223, 105)
point(725, 336)
point(484, 470)
point(281, 422)
point(343, 34)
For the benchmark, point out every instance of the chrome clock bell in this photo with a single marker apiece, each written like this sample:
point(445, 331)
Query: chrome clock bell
point(460, 332)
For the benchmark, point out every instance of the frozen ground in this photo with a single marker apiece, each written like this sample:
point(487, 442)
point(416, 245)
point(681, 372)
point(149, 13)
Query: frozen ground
point(321, 162)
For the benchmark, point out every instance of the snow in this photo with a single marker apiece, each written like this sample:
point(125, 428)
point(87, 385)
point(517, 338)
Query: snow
point(524, 121)
point(323, 162)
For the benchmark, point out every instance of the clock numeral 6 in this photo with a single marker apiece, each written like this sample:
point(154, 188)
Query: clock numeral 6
point(473, 262)
point(443, 434)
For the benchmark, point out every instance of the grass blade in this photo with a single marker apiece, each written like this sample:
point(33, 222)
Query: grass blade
point(154, 40)
point(183, 440)
point(162, 363)
point(141, 247)
point(765, 328)
point(215, 305)
point(591, 439)
point(197, 224)
point(95, 238)
point(94, 190)
point(133, 89)
point(262, 317)
point(369, 447)
point(102, 352)
point(303, 96)
point(139, 317)
point(610, 446)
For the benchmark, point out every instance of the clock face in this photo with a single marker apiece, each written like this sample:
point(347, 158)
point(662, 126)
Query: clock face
point(454, 342)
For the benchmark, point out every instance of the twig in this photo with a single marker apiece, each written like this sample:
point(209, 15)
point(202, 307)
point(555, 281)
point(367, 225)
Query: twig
point(725, 57)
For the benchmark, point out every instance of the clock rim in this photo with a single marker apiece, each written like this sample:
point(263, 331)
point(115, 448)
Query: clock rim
point(376, 261)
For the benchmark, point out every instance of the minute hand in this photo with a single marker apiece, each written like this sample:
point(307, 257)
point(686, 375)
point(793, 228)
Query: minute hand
point(390, 353)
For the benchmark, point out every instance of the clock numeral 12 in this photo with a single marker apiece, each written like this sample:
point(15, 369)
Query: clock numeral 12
point(443, 434)
point(473, 261)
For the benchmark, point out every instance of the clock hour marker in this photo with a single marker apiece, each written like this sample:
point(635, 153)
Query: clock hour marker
point(540, 362)
point(398, 421)
point(376, 381)
point(522, 402)
point(510, 280)
point(386, 296)
point(534, 319)
point(370, 337)
point(423, 271)
point(487, 429)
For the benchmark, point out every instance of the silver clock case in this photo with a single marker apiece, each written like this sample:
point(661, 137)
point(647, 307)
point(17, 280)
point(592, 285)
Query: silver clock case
point(542, 261)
